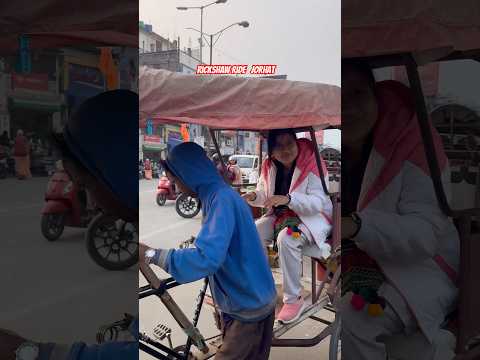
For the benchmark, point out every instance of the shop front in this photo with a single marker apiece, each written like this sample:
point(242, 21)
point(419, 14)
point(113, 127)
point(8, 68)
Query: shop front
point(153, 148)
point(36, 108)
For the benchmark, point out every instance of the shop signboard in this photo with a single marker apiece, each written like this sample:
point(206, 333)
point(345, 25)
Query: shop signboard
point(152, 139)
point(36, 82)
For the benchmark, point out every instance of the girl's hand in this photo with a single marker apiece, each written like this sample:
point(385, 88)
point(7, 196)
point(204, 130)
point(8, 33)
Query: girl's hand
point(276, 200)
point(251, 196)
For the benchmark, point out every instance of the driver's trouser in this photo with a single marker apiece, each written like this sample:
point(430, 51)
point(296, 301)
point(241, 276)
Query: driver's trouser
point(246, 340)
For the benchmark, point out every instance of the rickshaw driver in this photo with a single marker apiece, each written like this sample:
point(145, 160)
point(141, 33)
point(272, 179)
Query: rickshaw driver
point(228, 250)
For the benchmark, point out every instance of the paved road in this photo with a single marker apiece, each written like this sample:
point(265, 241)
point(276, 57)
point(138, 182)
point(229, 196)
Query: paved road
point(53, 291)
point(162, 227)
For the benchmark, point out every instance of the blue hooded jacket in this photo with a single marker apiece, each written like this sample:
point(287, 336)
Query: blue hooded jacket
point(228, 248)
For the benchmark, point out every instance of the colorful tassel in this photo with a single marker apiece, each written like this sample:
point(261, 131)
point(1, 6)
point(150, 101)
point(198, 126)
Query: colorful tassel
point(289, 231)
point(296, 234)
point(357, 302)
point(375, 310)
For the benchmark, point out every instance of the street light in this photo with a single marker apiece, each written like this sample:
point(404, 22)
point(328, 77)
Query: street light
point(201, 18)
point(244, 24)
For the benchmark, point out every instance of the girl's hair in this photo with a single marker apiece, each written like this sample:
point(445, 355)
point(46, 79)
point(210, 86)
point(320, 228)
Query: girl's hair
point(362, 67)
point(272, 138)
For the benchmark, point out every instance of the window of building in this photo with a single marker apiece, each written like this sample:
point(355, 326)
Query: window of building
point(152, 47)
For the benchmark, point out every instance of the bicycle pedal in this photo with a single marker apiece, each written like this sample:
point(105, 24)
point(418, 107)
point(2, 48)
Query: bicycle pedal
point(162, 331)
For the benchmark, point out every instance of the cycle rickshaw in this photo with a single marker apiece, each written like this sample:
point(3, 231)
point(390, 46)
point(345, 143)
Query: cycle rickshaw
point(411, 35)
point(247, 104)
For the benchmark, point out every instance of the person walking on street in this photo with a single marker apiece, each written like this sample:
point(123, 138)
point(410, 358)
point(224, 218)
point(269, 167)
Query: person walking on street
point(21, 153)
point(235, 170)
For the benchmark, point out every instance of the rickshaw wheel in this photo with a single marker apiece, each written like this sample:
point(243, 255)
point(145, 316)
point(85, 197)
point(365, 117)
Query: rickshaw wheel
point(181, 351)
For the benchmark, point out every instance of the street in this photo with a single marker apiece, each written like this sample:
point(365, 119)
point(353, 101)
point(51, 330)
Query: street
point(162, 227)
point(53, 291)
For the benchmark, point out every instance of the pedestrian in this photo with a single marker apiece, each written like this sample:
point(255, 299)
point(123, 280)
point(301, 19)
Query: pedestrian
point(148, 169)
point(106, 118)
point(21, 153)
point(298, 211)
point(222, 169)
point(228, 250)
point(233, 168)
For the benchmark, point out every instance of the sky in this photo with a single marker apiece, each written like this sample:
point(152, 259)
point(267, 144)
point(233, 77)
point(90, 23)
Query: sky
point(302, 37)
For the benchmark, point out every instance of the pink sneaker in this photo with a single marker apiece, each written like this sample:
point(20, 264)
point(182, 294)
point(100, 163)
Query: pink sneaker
point(291, 312)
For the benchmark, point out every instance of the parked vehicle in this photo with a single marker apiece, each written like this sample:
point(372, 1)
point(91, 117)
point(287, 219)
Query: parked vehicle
point(185, 205)
point(248, 164)
point(165, 191)
point(65, 205)
point(112, 243)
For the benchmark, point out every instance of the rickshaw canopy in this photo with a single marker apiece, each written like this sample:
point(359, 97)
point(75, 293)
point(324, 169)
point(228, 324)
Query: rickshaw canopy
point(56, 23)
point(430, 29)
point(229, 102)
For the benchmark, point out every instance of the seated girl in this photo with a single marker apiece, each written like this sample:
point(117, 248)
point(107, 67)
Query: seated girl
point(299, 211)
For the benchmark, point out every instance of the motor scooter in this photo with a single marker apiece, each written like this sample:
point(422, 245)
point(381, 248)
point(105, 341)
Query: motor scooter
point(65, 205)
point(111, 242)
point(186, 206)
point(165, 190)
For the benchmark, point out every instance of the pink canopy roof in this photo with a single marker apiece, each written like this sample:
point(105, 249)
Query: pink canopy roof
point(383, 27)
point(228, 102)
point(58, 23)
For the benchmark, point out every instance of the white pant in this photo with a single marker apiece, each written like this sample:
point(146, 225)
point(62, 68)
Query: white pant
point(290, 254)
point(395, 332)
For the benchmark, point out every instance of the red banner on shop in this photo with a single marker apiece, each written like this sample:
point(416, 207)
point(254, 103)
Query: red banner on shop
point(38, 82)
point(152, 138)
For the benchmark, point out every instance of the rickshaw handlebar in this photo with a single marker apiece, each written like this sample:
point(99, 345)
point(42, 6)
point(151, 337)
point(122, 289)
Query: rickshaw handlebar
point(156, 286)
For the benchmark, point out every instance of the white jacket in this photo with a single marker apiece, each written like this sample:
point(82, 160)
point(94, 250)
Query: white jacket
point(309, 202)
point(403, 228)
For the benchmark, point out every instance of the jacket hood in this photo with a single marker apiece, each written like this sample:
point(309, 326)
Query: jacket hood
point(102, 136)
point(189, 162)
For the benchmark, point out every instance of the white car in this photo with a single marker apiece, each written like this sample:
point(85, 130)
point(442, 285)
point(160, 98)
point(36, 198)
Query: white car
point(249, 165)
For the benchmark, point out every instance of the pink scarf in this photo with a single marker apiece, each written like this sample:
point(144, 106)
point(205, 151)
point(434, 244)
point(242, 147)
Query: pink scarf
point(397, 137)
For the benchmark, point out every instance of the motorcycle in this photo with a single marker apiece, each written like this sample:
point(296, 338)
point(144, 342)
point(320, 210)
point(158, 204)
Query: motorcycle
point(106, 236)
point(186, 206)
point(112, 243)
